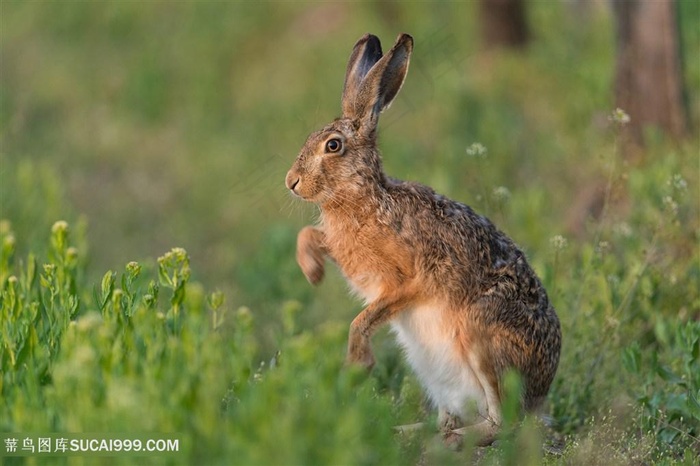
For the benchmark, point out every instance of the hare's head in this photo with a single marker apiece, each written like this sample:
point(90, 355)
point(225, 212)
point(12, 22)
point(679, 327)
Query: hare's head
point(341, 159)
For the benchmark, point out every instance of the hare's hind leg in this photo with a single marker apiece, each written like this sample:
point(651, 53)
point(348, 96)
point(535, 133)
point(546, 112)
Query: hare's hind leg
point(311, 252)
point(485, 430)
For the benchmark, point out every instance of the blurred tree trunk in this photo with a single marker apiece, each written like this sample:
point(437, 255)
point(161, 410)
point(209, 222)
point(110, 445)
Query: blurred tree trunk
point(648, 76)
point(503, 23)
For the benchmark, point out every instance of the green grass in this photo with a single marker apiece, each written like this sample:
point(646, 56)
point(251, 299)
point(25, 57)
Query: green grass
point(148, 126)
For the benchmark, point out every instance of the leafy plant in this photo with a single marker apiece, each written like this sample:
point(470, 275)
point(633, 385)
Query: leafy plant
point(669, 395)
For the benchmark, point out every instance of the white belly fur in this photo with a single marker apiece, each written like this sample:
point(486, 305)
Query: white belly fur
point(429, 343)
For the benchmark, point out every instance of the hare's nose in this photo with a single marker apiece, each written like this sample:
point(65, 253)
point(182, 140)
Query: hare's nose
point(291, 181)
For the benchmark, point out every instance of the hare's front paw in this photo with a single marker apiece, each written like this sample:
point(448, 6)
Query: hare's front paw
point(312, 266)
point(360, 353)
point(310, 254)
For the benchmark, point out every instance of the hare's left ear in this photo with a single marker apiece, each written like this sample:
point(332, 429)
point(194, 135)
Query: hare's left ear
point(366, 52)
point(378, 88)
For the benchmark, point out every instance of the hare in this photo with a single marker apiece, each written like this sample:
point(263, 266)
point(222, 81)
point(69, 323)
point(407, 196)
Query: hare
point(459, 294)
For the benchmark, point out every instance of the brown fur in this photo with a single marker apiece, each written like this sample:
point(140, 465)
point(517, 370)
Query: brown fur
point(401, 245)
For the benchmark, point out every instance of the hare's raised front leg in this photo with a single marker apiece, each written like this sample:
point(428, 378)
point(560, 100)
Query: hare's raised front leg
point(311, 252)
point(366, 323)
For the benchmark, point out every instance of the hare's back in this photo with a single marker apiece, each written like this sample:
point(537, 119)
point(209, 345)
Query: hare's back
point(449, 233)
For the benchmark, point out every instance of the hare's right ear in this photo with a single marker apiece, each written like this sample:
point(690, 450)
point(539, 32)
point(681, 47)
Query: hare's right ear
point(367, 52)
point(376, 89)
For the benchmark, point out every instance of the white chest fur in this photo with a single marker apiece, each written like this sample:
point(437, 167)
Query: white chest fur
point(429, 340)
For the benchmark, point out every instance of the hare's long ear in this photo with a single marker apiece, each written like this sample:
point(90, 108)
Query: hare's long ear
point(367, 52)
point(380, 85)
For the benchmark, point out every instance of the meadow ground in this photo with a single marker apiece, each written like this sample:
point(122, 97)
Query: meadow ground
point(147, 272)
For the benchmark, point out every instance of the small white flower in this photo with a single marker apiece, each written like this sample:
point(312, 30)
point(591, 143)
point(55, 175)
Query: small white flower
point(623, 229)
point(501, 193)
point(670, 204)
point(678, 183)
point(477, 150)
point(619, 116)
point(558, 242)
point(603, 247)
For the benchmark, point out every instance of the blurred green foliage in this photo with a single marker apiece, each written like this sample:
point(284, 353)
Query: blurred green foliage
point(149, 125)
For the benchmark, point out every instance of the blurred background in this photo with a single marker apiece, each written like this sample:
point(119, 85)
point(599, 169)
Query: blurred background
point(159, 124)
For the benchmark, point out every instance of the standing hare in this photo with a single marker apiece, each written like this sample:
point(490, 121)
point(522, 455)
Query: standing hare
point(459, 294)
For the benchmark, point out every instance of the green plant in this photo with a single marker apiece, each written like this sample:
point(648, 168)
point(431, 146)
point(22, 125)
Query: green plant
point(669, 395)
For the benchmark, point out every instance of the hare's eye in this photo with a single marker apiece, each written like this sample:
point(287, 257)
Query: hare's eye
point(333, 145)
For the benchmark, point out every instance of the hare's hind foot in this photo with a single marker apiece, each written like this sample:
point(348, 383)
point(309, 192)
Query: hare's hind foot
point(311, 254)
point(448, 423)
point(484, 432)
point(454, 431)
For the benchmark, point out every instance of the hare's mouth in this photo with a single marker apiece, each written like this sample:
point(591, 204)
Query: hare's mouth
point(296, 191)
point(299, 195)
point(295, 185)
point(303, 196)
point(305, 190)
